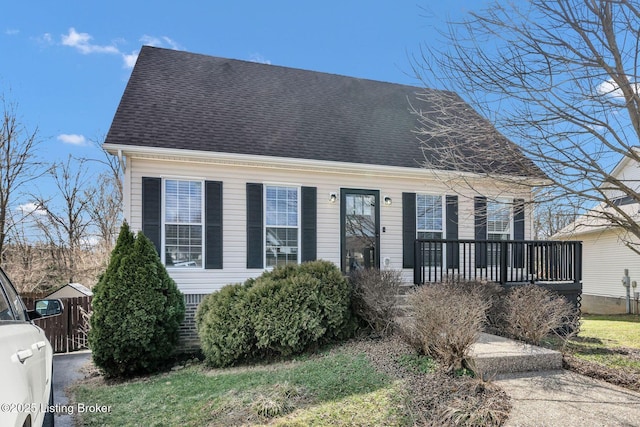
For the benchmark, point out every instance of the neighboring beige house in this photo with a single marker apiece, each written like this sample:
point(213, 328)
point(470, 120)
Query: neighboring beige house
point(233, 167)
point(605, 254)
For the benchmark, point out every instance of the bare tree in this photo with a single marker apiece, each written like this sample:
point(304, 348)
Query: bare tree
point(18, 164)
point(26, 261)
point(550, 219)
point(105, 201)
point(65, 225)
point(559, 78)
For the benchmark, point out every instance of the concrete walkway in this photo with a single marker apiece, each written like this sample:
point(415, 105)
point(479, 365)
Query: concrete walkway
point(542, 394)
point(564, 398)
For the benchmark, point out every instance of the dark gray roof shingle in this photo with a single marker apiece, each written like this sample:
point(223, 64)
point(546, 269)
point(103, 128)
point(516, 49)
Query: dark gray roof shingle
point(190, 101)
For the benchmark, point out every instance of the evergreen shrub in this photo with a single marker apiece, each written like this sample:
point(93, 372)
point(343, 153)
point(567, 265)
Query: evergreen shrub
point(282, 312)
point(137, 310)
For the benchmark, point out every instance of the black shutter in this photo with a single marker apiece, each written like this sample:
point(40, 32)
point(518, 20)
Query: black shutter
point(408, 229)
point(255, 228)
point(213, 224)
point(309, 232)
point(152, 210)
point(480, 209)
point(453, 252)
point(518, 232)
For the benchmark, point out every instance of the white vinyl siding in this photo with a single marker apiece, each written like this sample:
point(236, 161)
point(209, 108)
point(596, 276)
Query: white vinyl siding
point(604, 259)
point(235, 179)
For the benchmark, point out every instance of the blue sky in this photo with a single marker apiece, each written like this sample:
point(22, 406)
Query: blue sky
point(66, 63)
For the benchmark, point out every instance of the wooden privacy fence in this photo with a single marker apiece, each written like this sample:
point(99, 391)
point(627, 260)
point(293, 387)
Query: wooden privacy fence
point(68, 331)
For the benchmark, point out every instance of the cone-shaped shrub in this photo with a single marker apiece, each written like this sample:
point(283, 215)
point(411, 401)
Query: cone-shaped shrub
point(137, 310)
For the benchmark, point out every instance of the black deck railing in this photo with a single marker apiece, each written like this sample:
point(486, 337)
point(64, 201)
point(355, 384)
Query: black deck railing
point(501, 261)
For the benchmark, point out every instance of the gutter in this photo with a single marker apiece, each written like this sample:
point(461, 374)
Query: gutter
point(302, 164)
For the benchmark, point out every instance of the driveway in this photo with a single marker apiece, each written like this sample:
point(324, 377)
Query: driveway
point(66, 371)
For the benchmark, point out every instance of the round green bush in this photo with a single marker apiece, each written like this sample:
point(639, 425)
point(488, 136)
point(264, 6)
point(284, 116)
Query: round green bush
point(224, 326)
point(137, 310)
point(334, 296)
point(282, 312)
point(286, 316)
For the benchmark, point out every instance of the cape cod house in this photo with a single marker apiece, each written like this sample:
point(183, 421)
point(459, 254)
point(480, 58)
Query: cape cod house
point(233, 167)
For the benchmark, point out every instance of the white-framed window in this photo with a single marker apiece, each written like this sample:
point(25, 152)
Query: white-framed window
point(430, 225)
point(183, 223)
point(282, 219)
point(498, 228)
point(498, 220)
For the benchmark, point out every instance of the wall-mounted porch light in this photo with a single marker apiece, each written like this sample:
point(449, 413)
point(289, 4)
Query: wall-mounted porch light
point(387, 201)
point(333, 197)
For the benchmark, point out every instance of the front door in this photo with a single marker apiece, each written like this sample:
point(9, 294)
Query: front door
point(360, 229)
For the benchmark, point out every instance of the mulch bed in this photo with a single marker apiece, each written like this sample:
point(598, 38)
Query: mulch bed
point(618, 376)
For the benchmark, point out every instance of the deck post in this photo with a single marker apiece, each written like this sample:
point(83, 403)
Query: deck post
point(417, 263)
point(504, 261)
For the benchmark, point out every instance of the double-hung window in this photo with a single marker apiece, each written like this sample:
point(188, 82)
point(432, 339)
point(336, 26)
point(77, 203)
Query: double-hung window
point(281, 225)
point(498, 228)
point(429, 225)
point(498, 221)
point(183, 223)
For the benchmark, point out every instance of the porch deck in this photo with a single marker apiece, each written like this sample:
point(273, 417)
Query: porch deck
point(500, 261)
point(555, 265)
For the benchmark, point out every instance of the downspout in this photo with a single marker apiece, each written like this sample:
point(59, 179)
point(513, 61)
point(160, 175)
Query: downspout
point(122, 161)
point(626, 282)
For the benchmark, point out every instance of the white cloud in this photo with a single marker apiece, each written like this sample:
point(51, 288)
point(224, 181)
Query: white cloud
point(163, 41)
point(256, 57)
point(151, 41)
point(130, 59)
point(172, 43)
point(82, 42)
point(611, 88)
point(44, 40)
point(12, 32)
point(31, 208)
point(72, 139)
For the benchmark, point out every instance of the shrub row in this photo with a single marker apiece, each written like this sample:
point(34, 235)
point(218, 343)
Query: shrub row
point(282, 312)
point(449, 316)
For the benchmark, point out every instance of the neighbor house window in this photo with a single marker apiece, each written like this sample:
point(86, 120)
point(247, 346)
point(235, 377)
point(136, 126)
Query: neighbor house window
point(429, 226)
point(281, 226)
point(183, 223)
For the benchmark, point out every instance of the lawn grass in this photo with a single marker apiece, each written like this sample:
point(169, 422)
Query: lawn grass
point(612, 341)
point(329, 389)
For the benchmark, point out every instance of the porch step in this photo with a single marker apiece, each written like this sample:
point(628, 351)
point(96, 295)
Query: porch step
point(493, 355)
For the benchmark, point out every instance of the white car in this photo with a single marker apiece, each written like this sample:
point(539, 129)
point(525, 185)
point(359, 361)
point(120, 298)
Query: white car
point(26, 360)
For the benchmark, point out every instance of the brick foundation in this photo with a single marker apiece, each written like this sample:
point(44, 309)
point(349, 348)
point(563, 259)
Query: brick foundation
point(189, 341)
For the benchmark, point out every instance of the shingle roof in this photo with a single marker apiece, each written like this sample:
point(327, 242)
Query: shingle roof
point(183, 100)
